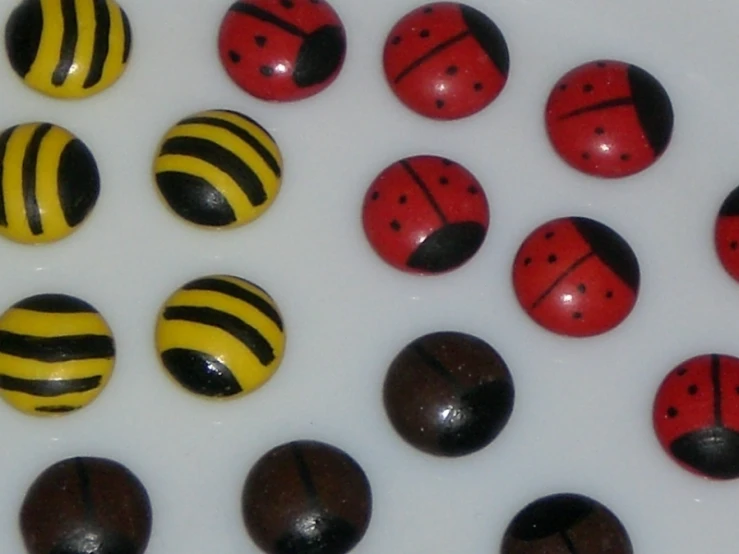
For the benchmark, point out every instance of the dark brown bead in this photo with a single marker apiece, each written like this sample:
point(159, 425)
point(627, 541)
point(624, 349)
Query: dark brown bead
point(86, 506)
point(564, 524)
point(306, 497)
point(448, 393)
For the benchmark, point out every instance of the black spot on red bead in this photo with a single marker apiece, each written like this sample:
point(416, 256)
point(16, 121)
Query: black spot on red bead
point(478, 86)
point(692, 389)
point(439, 104)
point(443, 181)
point(611, 249)
point(428, 9)
point(234, 56)
point(588, 87)
point(653, 108)
point(625, 157)
point(287, 4)
point(452, 70)
point(609, 294)
point(581, 288)
point(260, 40)
point(552, 258)
point(734, 245)
point(681, 371)
point(737, 390)
point(671, 412)
point(396, 40)
point(395, 225)
point(375, 195)
point(446, 162)
point(488, 36)
point(585, 155)
point(527, 261)
point(563, 87)
point(601, 64)
point(577, 315)
point(425, 33)
point(403, 199)
point(599, 130)
point(472, 189)
point(549, 235)
point(266, 70)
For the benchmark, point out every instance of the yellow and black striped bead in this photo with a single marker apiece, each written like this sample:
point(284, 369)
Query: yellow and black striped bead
point(56, 354)
point(68, 48)
point(49, 183)
point(220, 336)
point(218, 169)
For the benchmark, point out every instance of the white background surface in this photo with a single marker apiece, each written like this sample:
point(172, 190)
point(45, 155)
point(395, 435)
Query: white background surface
point(582, 419)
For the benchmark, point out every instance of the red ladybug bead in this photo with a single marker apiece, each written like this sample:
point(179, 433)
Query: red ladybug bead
point(282, 50)
point(726, 235)
point(446, 60)
point(696, 415)
point(425, 214)
point(576, 277)
point(609, 118)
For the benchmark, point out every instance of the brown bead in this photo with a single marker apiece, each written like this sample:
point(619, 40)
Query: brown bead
point(448, 393)
point(566, 524)
point(86, 506)
point(306, 497)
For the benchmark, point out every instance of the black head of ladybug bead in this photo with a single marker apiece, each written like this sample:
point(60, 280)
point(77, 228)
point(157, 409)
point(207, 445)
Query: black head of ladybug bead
point(306, 497)
point(425, 215)
point(282, 50)
point(446, 60)
point(566, 524)
point(576, 277)
point(609, 118)
point(726, 234)
point(448, 393)
point(696, 415)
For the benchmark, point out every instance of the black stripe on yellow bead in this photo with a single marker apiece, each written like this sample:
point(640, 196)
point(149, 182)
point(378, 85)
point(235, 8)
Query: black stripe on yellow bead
point(235, 291)
point(237, 328)
point(4, 138)
point(222, 158)
point(100, 46)
point(69, 43)
point(126, 37)
point(77, 168)
point(30, 163)
point(200, 373)
point(56, 349)
point(23, 35)
point(55, 304)
point(49, 388)
point(195, 199)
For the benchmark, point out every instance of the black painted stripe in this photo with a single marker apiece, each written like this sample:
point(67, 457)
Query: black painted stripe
point(223, 159)
point(415, 64)
point(69, 43)
point(433, 363)
point(201, 373)
point(50, 388)
point(101, 45)
point(85, 490)
point(305, 477)
point(55, 304)
point(577, 263)
point(240, 330)
point(195, 199)
point(267, 17)
point(716, 380)
point(4, 138)
point(126, 35)
point(599, 106)
point(30, 161)
point(235, 291)
point(571, 548)
point(249, 119)
point(244, 135)
point(59, 409)
point(424, 189)
point(56, 349)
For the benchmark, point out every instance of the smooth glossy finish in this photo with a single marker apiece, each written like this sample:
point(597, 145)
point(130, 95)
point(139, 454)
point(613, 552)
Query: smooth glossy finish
point(446, 60)
point(68, 48)
point(86, 505)
point(425, 215)
point(448, 393)
point(56, 354)
point(576, 276)
point(609, 118)
point(566, 523)
point(696, 415)
point(306, 497)
point(218, 169)
point(282, 50)
point(220, 336)
point(49, 183)
point(726, 234)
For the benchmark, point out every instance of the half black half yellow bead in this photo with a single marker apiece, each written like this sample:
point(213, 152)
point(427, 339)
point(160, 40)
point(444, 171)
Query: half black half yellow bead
point(218, 169)
point(220, 336)
point(56, 354)
point(68, 48)
point(49, 183)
